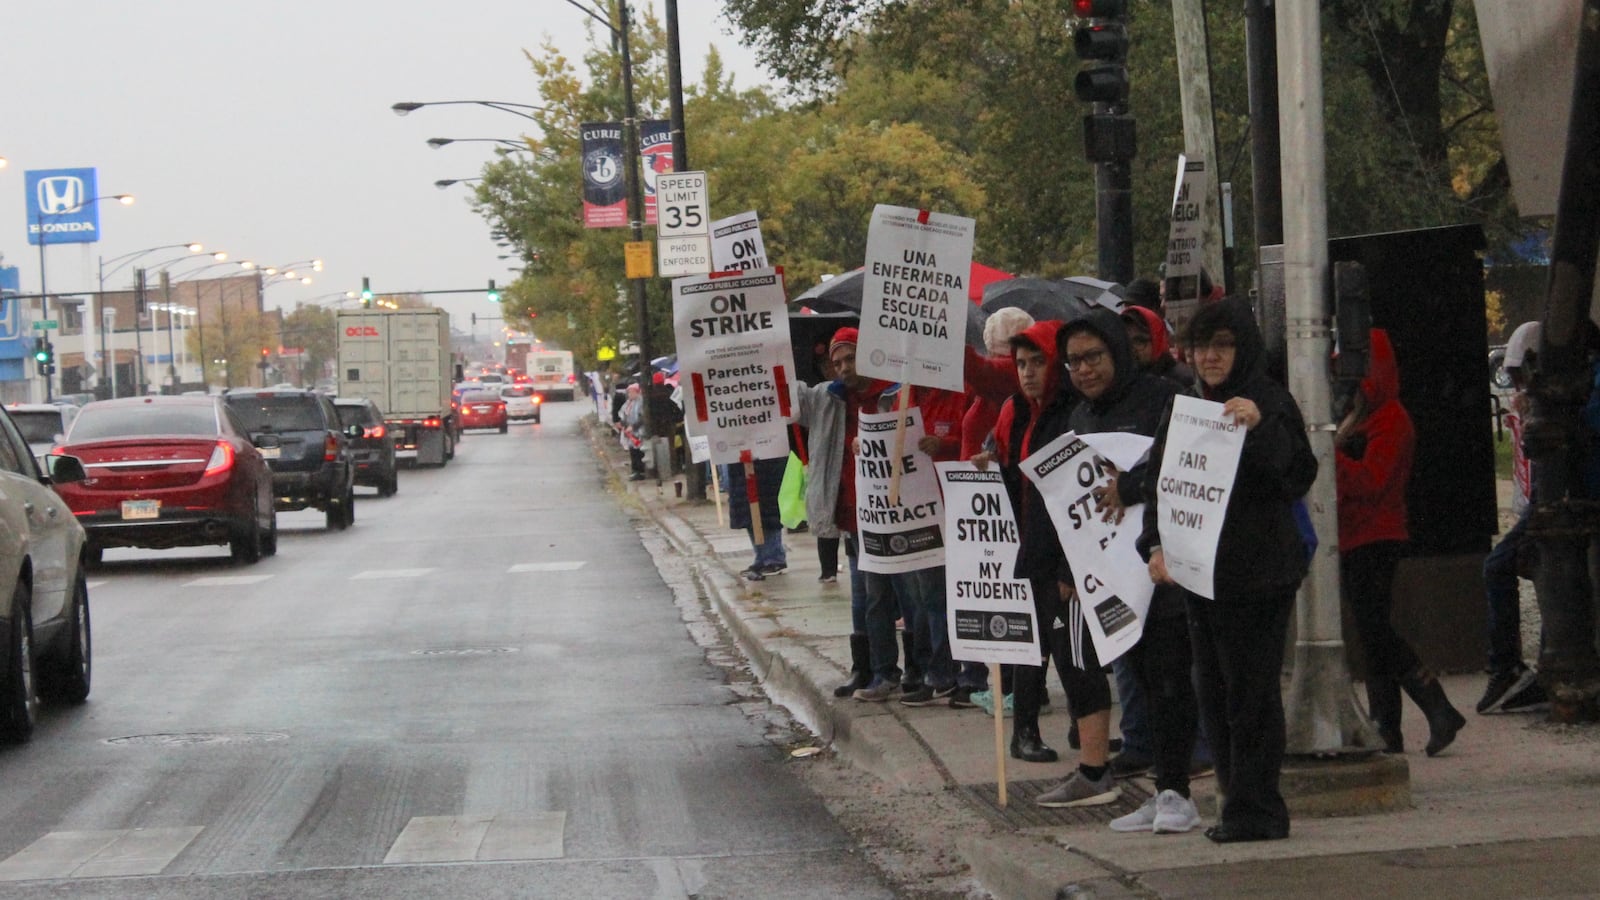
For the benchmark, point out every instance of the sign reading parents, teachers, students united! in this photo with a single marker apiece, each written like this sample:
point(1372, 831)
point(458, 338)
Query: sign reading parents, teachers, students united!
point(1197, 472)
point(914, 297)
point(733, 343)
point(988, 612)
point(903, 536)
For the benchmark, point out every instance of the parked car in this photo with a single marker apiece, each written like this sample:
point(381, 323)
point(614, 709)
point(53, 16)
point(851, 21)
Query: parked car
point(523, 403)
point(169, 472)
point(373, 450)
point(44, 609)
point(483, 409)
point(42, 424)
point(311, 464)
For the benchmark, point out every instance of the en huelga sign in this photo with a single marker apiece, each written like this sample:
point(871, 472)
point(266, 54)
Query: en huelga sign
point(734, 353)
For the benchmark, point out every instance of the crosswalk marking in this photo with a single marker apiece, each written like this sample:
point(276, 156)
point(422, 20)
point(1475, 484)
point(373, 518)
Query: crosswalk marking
point(98, 854)
point(377, 574)
point(481, 838)
point(226, 580)
point(569, 565)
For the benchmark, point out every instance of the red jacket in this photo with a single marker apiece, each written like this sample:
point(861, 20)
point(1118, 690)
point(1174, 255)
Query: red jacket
point(990, 380)
point(941, 416)
point(1372, 485)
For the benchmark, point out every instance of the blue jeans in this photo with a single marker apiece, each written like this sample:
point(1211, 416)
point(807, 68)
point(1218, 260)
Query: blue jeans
point(770, 552)
point(1135, 727)
point(883, 607)
point(1505, 597)
point(858, 588)
point(924, 591)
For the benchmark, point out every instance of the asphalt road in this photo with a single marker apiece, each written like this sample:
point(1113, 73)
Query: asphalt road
point(483, 689)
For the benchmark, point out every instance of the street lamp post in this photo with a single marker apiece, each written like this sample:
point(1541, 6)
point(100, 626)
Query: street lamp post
point(108, 324)
point(104, 269)
point(44, 293)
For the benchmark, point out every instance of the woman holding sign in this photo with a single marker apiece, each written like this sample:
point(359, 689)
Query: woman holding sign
point(1238, 635)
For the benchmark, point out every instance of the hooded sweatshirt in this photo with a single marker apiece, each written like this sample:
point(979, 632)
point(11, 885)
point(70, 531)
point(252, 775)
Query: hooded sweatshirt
point(1260, 550)
point(1024, 426)
point(1373, 478)
point(1162, 361)
point(1134, 403)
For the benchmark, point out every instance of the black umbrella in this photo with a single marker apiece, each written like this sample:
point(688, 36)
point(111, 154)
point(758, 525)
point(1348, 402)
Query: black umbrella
point(841, 295)
point(1038, 297)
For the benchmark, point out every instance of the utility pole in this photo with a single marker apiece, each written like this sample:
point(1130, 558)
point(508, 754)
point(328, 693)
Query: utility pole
point(694, 484)
point(1101, 40)
point(630, 140)
point(1199, 123)
point(1321, 712)
point(1564, 521)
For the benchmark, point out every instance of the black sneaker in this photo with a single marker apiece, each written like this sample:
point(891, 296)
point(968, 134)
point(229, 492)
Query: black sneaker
point(922, 696)
point(753, 574)
point(1505, 684)
point(1530, 699)
point(1129, 764)
point(961, 698)
point(944, 692)
point(774, 568)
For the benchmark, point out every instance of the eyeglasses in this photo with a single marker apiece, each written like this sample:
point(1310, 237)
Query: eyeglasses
point(1091, 358)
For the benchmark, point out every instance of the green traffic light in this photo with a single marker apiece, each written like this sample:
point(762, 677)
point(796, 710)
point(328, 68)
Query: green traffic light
point(493, 295)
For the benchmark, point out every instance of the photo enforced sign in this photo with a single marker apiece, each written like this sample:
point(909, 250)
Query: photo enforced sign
point(735, 358)
point(914, 297)
point(904, 536)
point(988, 612)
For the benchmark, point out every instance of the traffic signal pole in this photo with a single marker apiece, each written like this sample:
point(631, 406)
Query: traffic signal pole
point(1101, 40)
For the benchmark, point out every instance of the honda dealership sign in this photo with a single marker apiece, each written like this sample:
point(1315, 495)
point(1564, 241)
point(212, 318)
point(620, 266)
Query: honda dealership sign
point(61, 207)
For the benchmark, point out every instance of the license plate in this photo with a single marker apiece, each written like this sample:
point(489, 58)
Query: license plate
point(141, 509)
point(271, 452)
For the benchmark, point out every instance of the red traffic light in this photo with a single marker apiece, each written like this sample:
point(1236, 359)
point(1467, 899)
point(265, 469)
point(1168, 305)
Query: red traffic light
point(1099, 9)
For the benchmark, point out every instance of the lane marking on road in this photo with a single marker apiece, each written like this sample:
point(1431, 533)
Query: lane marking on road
point(378, 574)
point(226, 580)
point(480, 838)
point(569, 565)
point(98, 854)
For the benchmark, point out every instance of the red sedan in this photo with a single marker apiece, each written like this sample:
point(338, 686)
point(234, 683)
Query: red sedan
point(169, 472)
point(483, 409)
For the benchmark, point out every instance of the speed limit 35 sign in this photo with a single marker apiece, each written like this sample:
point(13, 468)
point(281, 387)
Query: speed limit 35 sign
point(683, 224)
point(682, 207)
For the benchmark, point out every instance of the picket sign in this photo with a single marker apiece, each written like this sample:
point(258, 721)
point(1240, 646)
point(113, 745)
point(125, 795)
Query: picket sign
point(999, 736)
point(752, 494)
point(898, 463)
point(716, 495)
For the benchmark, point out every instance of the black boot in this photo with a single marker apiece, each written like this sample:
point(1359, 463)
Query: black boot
point(1383, 702)
point(1026, 743)
point(860, 666)
point(912, 679)
point(1443, 719)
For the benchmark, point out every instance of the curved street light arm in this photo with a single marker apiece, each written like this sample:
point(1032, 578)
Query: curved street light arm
point(515, 109)
point(595, 16)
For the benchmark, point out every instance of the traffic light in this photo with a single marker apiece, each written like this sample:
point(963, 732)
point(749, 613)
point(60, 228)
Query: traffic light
point(493, 295)
point(1101, 41)
point(44, 353)
point(366, 291)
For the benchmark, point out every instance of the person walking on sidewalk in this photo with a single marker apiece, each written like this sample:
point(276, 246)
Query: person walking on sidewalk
point(1513, 684)
point(1119, 397)
point(829, 411)
point(629, 425)
point(1374, 446)
point(1033, 417)
point(918, 596)
point(1238, 637)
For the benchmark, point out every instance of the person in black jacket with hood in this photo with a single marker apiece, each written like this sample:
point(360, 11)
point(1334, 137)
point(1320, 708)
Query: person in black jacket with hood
point(1238, 637)
point(1120, 396)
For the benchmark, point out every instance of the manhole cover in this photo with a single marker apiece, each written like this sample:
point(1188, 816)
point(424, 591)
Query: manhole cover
point(464, 651)
point(201, 737)
point(1021, 812)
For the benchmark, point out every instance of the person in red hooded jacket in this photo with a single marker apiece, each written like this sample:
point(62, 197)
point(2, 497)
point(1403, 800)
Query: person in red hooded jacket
point(1152, 346)
point(1374, 447)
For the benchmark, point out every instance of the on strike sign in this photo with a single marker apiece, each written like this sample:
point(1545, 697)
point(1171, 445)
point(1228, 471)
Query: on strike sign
point(914, 297)
point(734, 353)
point(989, 613)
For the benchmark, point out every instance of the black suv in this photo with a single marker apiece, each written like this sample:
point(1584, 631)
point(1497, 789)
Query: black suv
point(374, 448)
point(313, 466)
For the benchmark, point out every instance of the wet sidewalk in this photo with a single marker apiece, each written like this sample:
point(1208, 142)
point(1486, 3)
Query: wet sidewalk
point(1511, 809)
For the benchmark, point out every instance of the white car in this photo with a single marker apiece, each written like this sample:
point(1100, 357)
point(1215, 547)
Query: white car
point(44, 598)
point(522, 402)
point(42, 424)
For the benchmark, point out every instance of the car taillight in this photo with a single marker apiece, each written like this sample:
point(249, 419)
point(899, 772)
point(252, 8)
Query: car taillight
point(538, 398)
point(58, 451)
point(572, 379)
point(330, 449)
point(375, 432)
point(430, 423)
point(221, 459)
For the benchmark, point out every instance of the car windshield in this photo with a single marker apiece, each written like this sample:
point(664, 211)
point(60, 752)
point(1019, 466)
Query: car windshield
point(97, 423)
point(352, 415)
point(480, 397)
point(516, 392)
point(263, 412)
point(37, 426)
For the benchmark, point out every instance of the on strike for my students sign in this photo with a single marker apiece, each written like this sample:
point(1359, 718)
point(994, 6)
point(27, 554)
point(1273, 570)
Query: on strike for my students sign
point(1197, 471)
point(734, 354)
point(988, 612)
point(914, 297)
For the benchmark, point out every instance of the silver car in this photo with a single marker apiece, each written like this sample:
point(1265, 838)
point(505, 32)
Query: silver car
point(44, 599)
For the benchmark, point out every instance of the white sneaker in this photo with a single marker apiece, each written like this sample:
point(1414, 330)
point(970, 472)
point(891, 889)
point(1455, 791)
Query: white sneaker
point(1175, 813)
point(1141, 819)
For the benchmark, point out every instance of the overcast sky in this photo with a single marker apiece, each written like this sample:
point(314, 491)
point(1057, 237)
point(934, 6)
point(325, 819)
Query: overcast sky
point(264, 129)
